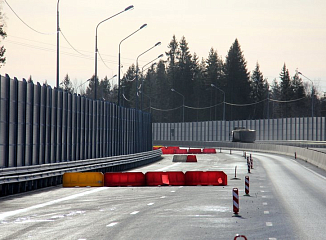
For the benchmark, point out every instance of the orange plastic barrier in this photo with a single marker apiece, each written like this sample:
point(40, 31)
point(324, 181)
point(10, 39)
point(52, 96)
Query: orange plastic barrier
point(214, 178)
point(209, 150)
point(191, 158)
point(194, 150)
point(165, 178)
point(180, 151)
point(82, 179)
point(124, 179)
point(168, 150)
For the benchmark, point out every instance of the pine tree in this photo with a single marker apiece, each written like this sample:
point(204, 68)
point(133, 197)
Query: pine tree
point(128, 84)
point(67, 85)
point(286, 92)
point(90, 88)
point(301, 106)
point(237, 83)
point(104, 89)
point(3, 34)
point(275, 110)
point(259, 94)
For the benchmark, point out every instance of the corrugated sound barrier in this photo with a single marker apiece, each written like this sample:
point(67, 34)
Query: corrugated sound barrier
point(40, 125)
point(305, 128)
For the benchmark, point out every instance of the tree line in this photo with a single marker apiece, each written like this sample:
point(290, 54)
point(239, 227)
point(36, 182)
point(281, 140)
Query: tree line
point(186, 88)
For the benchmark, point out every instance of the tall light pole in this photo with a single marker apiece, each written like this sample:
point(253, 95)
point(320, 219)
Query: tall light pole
point(142, 71)
point(96, 50)
point(157, 44)
point(212, 85)
point(312, 94)
point(119, 70)
point(58, 30)
point(183, 104)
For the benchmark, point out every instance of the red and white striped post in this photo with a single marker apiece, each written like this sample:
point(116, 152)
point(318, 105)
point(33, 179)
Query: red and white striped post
point(247, 185)
point(235, 201)
point(251, 162)
point(248, 163)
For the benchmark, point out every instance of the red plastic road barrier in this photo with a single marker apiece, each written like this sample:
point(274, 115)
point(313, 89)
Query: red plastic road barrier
point(165, 178)
point(180, 151)
point(168, 150)
point(171, 147)
point(235, 200)
point(240, 236)
point(194, 150)
point(191, 158)
point(247, 185)
point(209, 150)
point(124, 179)
point(214, 178)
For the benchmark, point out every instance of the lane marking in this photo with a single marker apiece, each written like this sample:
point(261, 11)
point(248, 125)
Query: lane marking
point(265, 203)
point(266, 212)
point(112, 224)
point(269, 224)
point(150, 204)
point(272, 239)
point(162, 169)
point(172, 191)
point(163, 197)
point(23, 210)
point(135, 212)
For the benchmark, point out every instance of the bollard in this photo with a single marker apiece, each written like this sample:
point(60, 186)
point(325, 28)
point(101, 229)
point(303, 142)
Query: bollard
point(248, 163)
point(247, 186)
point(295, 155)
point(251, 162)
point(230, 151)
point(245, 155)
point(235, 201)
point(220, 150)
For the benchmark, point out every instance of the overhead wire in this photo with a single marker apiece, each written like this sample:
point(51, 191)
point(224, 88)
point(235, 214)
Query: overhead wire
point(43, 33)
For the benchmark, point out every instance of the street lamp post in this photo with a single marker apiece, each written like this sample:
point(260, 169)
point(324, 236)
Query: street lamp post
point(58, 30)
point(183, 104)
point(96, 50)
point(142, 83)
point(212, 85)
point(136, 95)
point(144, 25)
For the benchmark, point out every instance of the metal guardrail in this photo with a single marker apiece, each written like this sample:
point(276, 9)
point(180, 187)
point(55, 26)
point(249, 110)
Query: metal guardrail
point(20, 179)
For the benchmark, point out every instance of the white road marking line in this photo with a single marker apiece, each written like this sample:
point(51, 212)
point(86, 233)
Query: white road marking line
point(269, 224)
point(135, 212)
point(272, 239)
point(163, 197)
point(15, 212)
point(162, 169)
point(266, 212)
point(264, 196)
point(112, 224)
point(150, 204)
point(172, 191)
point(265, 203)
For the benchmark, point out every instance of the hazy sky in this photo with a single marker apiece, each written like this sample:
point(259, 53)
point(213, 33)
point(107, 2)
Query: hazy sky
point(269, 32)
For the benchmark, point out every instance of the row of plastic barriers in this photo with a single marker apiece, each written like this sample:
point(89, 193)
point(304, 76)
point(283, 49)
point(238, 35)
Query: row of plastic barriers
point(136, 179)
point(177, 150)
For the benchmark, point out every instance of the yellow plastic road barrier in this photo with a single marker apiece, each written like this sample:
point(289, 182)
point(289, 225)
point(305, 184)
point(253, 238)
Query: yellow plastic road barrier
point(83, 179)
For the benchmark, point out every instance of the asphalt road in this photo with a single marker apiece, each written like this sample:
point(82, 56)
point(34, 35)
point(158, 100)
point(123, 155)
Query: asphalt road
point(287, 201)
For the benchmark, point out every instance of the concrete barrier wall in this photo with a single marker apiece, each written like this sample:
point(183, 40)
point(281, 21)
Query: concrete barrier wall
point(312, 156)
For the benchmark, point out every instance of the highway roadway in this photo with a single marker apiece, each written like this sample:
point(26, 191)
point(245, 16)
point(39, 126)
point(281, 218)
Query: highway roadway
point(287, 201)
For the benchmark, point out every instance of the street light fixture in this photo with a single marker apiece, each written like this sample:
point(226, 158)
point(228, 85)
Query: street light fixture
point(212, 85)
point(96, 50)
point(119, 81)
point(157, 44)
point(183, 103)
